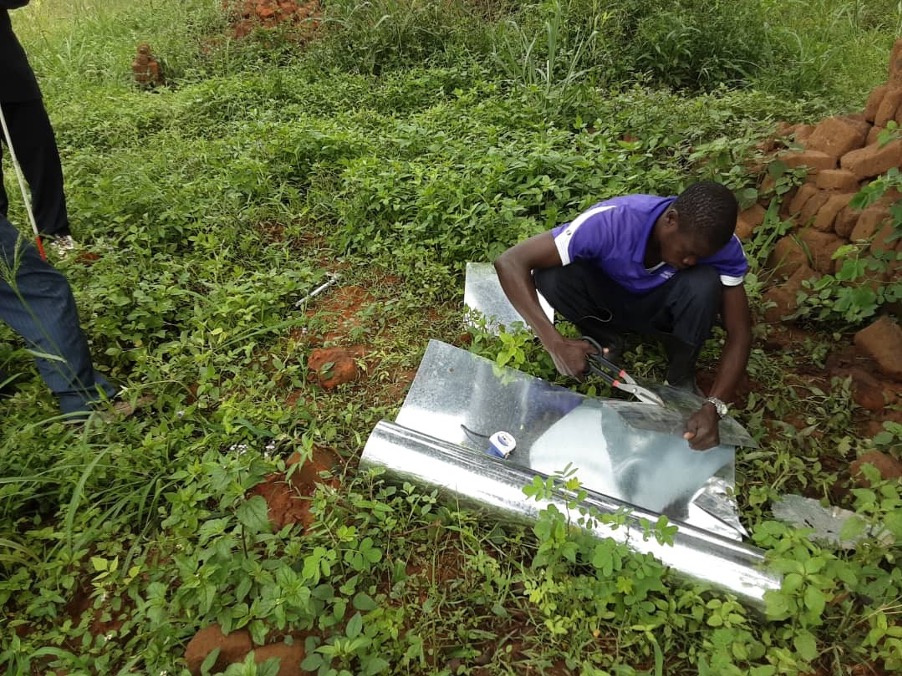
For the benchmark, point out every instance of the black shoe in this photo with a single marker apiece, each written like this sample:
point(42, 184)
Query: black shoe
point(681, 358)
point(688, 384)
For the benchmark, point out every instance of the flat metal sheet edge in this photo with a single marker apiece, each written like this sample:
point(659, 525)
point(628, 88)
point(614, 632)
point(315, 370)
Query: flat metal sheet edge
point(484, 296)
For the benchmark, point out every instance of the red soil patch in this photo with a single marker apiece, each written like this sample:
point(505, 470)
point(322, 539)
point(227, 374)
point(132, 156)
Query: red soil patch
point(340, 307)
point(103, 620)
point(288, 499)
point(87, 258)
point(234, 648)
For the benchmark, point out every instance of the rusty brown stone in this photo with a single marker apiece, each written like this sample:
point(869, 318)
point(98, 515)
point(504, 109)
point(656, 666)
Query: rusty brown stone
point(768, 183)
point(873, 104)
point(869, 222)
point(803, 274)
point(889, 198)
point(836, 136)
point(873, 135)
point(748, 220)
point(815, 160)
point(840, 180)
point(787, 257)
point(803, 194)
point(888, 106)
point(858, 120)
point(895, 65)
point(232, 648)
point(873, 160)
point(820, 246)
point(289, 656)
point(845, 221)
point(801, 132)
point(882, 341)
point(265, 12)
point(884, 239)
point(779, 304)
point(867, 391)
point(334, 366)
point(812, 206)
point(888, 467)
point(784, 129)
point(826, 215)
point(145, 68)
point(784, 298)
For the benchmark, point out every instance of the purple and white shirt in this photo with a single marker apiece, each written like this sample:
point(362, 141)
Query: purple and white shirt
point(613, 235)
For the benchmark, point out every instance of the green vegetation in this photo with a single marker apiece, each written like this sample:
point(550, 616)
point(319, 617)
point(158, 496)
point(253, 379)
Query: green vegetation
point(394, 143)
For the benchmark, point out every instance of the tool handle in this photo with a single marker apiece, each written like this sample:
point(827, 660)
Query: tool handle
point(19, 175)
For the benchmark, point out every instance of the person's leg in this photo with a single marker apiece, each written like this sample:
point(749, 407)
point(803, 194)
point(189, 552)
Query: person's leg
point(680, 313)
point(687, 307)
point(35, 145)
point(598, 306)
point(36, 301)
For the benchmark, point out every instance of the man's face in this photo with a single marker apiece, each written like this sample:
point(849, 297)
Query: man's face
point(679, 249)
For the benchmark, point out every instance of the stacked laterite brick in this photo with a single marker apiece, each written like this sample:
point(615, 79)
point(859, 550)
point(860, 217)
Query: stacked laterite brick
point(246, 15)
point(842, 154)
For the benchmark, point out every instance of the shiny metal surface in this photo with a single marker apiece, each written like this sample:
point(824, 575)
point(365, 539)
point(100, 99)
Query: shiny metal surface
point(495, 486)
point(460, 398)
point(827, 524)
point(484, 295)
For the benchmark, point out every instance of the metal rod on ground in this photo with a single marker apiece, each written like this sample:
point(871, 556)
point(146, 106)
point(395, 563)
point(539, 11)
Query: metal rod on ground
point(333, 277)
point(21, 177)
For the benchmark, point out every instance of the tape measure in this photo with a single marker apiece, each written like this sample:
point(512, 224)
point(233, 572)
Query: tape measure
point(501, 445)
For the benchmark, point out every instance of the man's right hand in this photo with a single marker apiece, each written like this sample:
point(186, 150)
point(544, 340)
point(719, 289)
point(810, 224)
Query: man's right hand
point(570, 355)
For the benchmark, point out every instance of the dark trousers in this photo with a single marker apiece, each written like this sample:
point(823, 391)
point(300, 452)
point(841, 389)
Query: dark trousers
point(35, 145)
point(680, 313)
point(36, 301)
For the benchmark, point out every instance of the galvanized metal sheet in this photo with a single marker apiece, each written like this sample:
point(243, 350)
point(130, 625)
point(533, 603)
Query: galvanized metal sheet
point(478, 481)
point(827, 524)
point(485, 297)
point(461, 398)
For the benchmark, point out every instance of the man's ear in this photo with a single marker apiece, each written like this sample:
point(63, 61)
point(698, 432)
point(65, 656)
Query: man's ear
point(672, 219)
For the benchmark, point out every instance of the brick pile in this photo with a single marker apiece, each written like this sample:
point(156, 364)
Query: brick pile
point(247, 15)
point(842, 154)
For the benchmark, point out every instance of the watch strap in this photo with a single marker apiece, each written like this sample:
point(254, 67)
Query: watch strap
point(719, 406)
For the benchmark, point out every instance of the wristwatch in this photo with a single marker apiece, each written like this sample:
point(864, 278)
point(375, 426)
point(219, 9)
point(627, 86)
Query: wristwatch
point(719, 406)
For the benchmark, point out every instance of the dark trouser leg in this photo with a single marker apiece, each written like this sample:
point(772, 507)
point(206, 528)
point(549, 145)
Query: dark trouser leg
point(35, 145)
point(692, 302)
point(36, 301)
point(587, 298)
point(680, 312)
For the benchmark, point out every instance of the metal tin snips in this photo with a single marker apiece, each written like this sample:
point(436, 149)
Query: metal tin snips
point(616, 376)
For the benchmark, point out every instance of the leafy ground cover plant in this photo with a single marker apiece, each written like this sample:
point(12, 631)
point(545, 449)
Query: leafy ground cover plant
point(207, 209)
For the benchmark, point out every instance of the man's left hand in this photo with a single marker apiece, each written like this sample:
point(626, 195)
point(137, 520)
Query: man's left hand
point(702, 430)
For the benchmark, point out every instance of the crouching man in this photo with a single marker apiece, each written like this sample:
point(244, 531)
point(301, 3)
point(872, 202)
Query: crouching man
point(663, 267)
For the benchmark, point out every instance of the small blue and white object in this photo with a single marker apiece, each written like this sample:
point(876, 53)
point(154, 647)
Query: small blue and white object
point(501, 445)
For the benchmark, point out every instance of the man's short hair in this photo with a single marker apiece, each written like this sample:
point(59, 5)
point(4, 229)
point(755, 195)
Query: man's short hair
point(707, 211)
